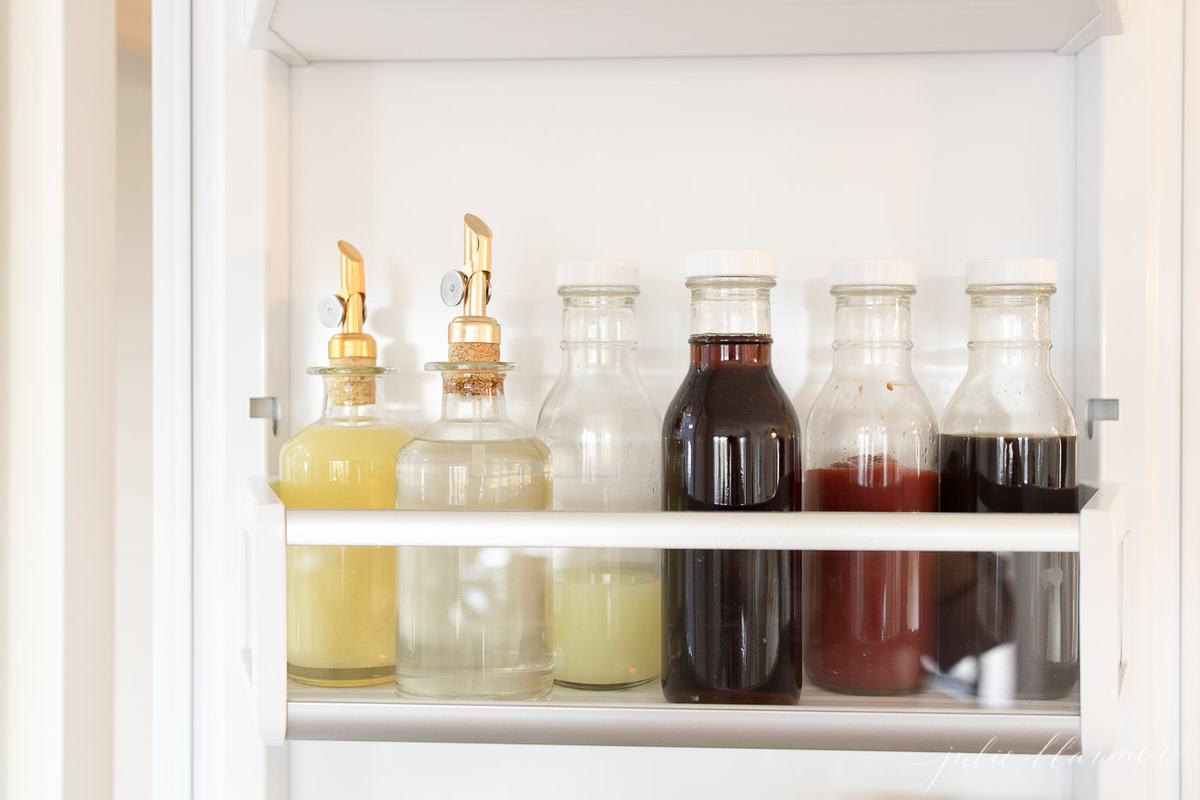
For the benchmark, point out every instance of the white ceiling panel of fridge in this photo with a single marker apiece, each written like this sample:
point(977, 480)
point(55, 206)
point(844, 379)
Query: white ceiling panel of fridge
point(303, 31)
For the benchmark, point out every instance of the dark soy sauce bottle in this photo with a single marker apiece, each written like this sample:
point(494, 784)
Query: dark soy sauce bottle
point(731, 442)
point(1008, 446)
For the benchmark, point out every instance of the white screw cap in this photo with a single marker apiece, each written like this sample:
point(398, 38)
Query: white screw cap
point(1012, 271)
point(731, 263)
point(598, 273)
point(873, 272)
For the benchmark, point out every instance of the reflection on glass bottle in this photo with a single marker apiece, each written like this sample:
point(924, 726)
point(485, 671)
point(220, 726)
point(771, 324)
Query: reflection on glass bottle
point(731, 443)
point(1008, 445)
point(473, 621)
point(870, 617)
point(341, 606)
point(604, 437)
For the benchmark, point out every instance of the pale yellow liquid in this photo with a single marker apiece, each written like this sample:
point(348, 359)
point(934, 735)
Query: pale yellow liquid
point(341, 601)
point(474, 621)
point(607, 603)
point(606, 625)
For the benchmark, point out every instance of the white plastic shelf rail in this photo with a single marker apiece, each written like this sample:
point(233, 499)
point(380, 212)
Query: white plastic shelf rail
point(303, 31)
point(923, 722)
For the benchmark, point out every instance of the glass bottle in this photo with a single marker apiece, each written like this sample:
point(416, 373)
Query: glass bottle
point(870, 617)
point(473, 621)
point(1008, 445)
point(341, 601)
point(731, 442)
point(604, 439)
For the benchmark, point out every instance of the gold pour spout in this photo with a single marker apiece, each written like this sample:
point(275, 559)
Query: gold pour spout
point(351, 342)
point(477, 256)
point(472, 336)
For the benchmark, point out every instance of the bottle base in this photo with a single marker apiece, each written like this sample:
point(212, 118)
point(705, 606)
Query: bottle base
point(341, 678)
point(830, 686)
point(602, 687)
point(719, 697)
point(476, 686)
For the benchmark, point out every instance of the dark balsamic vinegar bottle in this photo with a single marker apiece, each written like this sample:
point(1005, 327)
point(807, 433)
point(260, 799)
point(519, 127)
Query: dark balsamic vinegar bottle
point(1008, 445)
point(731, 443)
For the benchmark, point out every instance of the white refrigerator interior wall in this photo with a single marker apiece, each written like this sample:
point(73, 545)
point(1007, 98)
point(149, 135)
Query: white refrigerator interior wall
point(941, 158)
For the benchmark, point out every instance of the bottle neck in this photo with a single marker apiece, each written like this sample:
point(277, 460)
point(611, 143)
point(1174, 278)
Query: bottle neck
point(872, 328)
point(731, 306)
point(473, 396)
point(1010, 327)
point(599, 327)
point(352, 398)
point(709, 351)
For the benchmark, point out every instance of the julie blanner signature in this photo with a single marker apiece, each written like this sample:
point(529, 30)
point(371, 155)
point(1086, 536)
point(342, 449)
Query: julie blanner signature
point(1059, 751)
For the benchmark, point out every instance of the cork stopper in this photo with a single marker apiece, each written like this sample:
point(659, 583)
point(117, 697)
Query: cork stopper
point(474, 351)
point(351, 390)
point(473, 384)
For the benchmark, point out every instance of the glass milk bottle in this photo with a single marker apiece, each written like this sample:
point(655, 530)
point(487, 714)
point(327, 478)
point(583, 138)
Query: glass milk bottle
point(604, 439)
point(473, 621)
point(870, 617)
point(731, 443)
point(341, 601)
point(1010, 621)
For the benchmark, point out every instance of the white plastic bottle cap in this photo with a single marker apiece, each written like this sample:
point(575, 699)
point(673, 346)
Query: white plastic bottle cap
point(1011, 271)
point(873, 272)
point(598, 273)
point(731, 263)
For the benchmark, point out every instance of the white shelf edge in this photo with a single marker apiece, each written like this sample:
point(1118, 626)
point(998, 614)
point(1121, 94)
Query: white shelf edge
point(776, 727)
point(1048, 533)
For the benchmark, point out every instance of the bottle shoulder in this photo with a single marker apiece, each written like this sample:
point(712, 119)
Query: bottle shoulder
point(571, 408)
point(1026, 402)
point(856, 420)
point(731, 398)
point(326, 438)
point(459, 440)
point(877, 403)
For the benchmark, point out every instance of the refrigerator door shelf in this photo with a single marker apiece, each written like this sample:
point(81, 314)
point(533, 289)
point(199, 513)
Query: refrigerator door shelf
point(923, 722)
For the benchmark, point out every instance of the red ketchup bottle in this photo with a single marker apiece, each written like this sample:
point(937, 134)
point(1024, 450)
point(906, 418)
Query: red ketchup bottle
point(869, 617)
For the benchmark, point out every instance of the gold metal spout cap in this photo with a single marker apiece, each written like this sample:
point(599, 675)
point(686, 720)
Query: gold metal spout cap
point(472, 336)
point(351, 342)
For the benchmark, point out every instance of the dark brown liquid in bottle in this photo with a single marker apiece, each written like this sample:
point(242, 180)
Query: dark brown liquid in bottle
point(1027, 599)
point(731, 443)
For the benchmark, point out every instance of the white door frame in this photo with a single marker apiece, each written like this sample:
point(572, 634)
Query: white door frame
point(171, 110)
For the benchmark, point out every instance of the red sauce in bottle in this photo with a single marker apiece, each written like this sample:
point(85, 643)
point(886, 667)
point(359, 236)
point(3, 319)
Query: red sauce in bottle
point(869, 616)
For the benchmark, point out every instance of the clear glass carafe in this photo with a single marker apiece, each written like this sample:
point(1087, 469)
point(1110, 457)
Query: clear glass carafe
point(731, 443)
point(473, 621)
point(1009, 622)
point(605, 439)
point(870, 617)
point(341, 601)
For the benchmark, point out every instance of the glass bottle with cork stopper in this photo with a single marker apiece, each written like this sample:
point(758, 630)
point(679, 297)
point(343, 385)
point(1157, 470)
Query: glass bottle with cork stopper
point(473, 621)
point(341, 601)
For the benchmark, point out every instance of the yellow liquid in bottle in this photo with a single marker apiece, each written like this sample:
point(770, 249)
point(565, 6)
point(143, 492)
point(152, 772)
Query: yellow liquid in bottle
point(341, 601)
point(606, 625)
